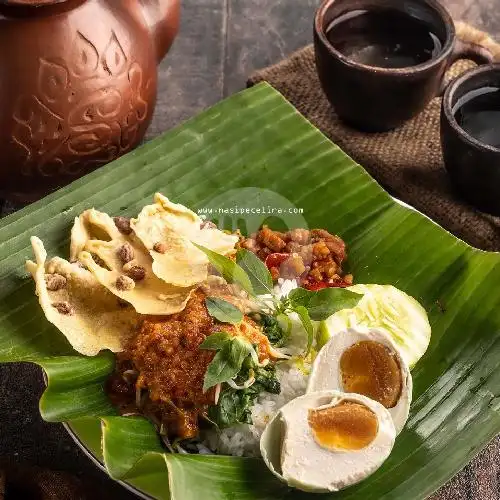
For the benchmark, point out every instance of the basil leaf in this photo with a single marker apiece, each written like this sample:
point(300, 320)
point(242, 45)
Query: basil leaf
point(229, 270)
point(223, 310)
point(257, 271)
point(307, 324)
point(221, 368)
point(323, 303)
point(227, 362)
point(240, 349)
point(216, 341)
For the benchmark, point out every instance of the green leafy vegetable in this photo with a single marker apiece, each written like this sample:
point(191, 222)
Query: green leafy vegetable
point(216, 341)
point(240, 349)
point(266, 377)
point(228, 362)
point(272, 329)
point(223, 310)
point(307, 324)
point(323, 303)
point(235, 406)
point(256, 270)
point(228, 269)
point(220, 368)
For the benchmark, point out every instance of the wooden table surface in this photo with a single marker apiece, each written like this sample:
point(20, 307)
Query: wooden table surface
point(220, 43)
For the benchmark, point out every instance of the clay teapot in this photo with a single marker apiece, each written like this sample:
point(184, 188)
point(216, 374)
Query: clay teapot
point(77, 87)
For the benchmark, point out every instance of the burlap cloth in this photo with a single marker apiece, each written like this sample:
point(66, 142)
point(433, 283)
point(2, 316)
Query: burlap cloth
point(407, 161)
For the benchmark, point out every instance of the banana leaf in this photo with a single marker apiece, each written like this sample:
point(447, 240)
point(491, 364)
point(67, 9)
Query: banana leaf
point(255, 150)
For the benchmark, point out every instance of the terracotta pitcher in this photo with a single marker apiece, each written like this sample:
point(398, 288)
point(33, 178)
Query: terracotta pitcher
point(77, 85)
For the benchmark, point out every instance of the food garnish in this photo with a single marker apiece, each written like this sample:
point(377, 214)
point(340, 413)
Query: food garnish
point(324, 302)
point(223, 310)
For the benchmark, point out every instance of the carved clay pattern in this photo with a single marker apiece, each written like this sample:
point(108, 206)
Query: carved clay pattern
point(85, 57)
point(114, 60)
point(98, 128)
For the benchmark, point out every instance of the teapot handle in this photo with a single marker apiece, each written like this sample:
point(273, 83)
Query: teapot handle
point(162, 17)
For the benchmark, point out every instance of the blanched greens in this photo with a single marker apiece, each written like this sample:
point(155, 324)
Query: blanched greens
point(235, 406)
point(272, 329)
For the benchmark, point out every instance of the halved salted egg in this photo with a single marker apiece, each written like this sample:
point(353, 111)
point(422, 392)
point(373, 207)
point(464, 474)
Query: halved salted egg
point(325, 441)
point(367, 362)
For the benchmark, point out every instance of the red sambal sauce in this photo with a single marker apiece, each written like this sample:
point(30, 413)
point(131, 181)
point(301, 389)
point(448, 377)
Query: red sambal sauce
point(313, 257)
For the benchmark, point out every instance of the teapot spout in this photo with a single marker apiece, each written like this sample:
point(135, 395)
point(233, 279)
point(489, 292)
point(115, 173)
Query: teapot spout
point(162, 17)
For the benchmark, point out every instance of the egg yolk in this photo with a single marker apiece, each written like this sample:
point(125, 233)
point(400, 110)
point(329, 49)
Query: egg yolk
point(346, 426)
point(371, 369)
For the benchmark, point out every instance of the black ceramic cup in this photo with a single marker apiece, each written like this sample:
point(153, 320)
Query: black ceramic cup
point(473, 166)
point(377, 99)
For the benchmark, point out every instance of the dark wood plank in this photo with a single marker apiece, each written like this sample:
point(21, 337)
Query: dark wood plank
point(190, 77)
point(261, 32)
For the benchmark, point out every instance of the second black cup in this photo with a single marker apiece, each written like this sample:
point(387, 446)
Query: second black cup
point(470, 136)
point(380, 62)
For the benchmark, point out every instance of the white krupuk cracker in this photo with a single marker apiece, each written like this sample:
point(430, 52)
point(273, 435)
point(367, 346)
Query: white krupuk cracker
point(88, 315)
point(174, 227)
point(95, 234)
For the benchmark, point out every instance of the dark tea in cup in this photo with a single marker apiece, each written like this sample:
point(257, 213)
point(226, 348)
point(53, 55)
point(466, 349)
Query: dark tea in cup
point(385, 38)
point(380, 62)
point(478, 113)
point(470, 136)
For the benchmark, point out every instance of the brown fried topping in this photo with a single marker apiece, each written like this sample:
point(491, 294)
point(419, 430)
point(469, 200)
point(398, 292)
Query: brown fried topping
point(124, 283)
point(55, 282)
point(160, 247)
point(271, 239)
point(137, 273)
point(126, 253)
point(315, 256)
point(123, 224)
point(63, 308)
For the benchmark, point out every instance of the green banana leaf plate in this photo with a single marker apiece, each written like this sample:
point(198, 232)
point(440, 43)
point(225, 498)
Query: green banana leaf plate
point(255, 149)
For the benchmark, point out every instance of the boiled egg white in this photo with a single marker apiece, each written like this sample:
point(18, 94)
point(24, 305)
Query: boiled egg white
point(365, 361)
point(326, 441)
